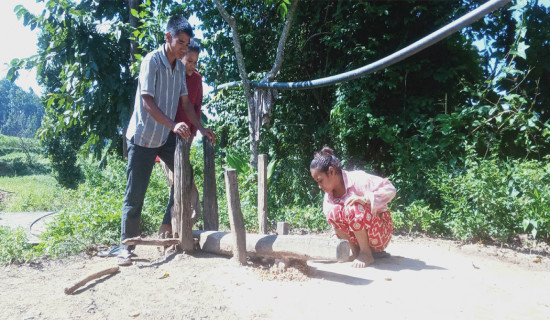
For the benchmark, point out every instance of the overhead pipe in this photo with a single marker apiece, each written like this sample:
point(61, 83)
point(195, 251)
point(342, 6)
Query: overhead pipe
point(397, 56)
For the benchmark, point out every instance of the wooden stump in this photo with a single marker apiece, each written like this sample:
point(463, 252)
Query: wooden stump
point(182, 223)
point(262, 194)
point(235, 216)
point(210, 198)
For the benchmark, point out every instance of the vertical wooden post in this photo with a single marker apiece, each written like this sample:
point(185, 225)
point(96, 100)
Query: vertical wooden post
point(210, 198)
point(235, 216)
point(182, 224)
point(262, 194)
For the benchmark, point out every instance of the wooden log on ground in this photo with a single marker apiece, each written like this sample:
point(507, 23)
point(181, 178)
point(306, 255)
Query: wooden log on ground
point(210, 198)
point(277, 246)
point(262, 194)
point(182, 223)
point(150, 242)
point(235, 216)
point(89, 278)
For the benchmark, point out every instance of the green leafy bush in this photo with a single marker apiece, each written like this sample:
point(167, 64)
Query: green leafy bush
point(495, 198)
point(417, 217)
point(94, 215)
point(14, 246)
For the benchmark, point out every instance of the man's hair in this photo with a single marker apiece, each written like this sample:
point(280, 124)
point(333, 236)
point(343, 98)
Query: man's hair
point(178, 24)
point(194, 46)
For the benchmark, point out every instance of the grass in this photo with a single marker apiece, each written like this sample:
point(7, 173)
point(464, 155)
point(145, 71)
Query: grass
point(22, 157)
point(33, 193)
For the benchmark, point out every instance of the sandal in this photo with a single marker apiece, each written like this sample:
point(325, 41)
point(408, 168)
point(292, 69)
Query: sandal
point(109, 253)
point(124, 258)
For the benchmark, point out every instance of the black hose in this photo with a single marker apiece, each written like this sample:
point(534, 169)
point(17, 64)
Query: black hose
point(397, 56)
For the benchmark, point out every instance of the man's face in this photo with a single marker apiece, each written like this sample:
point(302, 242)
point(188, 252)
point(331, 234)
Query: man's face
point(190, 61)
point(178, 43)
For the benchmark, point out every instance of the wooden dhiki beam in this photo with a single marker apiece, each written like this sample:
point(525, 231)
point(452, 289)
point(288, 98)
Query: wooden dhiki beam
point(277, 246)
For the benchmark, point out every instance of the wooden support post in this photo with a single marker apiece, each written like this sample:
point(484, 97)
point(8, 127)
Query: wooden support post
point(262, 194)
point(235, 216)
point(210, 198)
point(182, 223)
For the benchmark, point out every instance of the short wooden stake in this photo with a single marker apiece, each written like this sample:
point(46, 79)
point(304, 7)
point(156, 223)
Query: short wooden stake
point(282, 228)
point(262, 194)
point(210, 198)
point(235, 216)
point(182, 223)
point(89, 278)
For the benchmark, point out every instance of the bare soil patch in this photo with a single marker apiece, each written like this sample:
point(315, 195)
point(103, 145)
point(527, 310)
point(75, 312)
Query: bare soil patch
point(423, 278)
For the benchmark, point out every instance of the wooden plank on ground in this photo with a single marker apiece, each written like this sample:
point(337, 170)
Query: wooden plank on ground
point(93, 276)
point(150, 242)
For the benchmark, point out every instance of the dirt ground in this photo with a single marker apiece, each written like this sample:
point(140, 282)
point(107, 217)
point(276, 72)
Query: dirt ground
point(423, 278)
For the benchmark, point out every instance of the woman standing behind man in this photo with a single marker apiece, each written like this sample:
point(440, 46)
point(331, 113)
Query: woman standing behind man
point(194, 90)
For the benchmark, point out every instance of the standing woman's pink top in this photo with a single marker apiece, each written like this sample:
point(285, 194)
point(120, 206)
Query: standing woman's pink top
point(378, 190)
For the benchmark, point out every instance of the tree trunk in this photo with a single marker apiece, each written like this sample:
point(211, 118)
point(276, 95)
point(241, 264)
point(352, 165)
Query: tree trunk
point(244, 77)
point(134, 49)
point(252, 116)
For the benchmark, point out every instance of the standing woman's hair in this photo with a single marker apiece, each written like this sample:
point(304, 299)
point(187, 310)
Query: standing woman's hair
point(194, 46)
point(325, 159)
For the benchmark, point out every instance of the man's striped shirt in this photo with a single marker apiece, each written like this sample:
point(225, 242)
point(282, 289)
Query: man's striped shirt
point(166, 86)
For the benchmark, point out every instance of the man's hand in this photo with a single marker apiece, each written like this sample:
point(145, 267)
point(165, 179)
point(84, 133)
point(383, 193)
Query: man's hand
point(357, 199)
point(209, 134)
point(182, 130)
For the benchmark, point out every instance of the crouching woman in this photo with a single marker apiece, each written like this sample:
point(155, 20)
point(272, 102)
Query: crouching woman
point(355, 204)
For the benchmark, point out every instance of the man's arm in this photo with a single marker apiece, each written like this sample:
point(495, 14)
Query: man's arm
point(192, 116)
point(151, 106)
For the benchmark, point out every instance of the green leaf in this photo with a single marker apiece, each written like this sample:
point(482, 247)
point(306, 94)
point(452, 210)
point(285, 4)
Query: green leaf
point(520, 51)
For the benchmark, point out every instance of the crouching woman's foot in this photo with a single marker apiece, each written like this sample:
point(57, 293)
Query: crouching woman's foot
point(362, 260)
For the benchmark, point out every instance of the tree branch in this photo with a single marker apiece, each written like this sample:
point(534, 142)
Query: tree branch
point(238, 51)
point(282, 41)
point(244, 76)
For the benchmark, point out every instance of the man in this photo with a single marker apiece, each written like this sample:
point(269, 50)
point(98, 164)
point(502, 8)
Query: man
point(193, 80)
point(151, 131)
